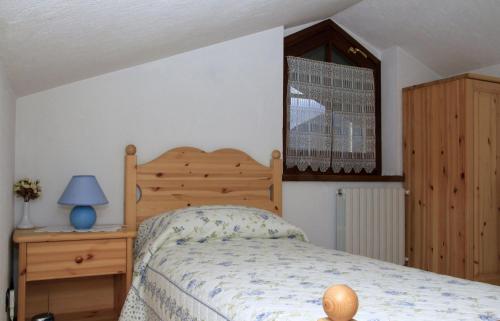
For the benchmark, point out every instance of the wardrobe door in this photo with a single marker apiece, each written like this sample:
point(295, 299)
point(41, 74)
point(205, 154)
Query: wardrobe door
point(486, 221)
point(434, 162)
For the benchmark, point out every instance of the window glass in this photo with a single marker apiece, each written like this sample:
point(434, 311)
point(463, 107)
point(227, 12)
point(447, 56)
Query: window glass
point(340, 58)
point(318, 53)
point(325, 137)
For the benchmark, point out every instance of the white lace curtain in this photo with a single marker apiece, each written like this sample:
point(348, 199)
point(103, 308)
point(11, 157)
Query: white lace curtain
point(331, 116)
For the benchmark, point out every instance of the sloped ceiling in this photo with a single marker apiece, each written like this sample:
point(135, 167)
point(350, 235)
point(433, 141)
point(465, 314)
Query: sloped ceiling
point(449, 36)
point(52, 42)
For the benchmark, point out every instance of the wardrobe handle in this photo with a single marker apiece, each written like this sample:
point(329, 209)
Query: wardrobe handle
point(78, 259)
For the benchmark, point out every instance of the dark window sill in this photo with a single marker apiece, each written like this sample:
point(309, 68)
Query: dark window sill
point(341, 177)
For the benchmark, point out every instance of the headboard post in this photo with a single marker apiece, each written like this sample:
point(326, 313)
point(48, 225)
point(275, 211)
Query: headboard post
point(130, 185)
point(277, 167)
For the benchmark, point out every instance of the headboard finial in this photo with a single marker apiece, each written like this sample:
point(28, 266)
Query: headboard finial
point(131, 149)
point(276, 154)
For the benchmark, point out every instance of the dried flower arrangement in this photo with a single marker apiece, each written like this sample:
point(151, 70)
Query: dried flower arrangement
point(27, 189)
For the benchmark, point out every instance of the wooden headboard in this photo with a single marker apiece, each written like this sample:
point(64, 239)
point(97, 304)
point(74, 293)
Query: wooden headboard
point(188, 176)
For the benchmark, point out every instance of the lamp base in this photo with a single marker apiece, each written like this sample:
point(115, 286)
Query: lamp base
point(82, 217)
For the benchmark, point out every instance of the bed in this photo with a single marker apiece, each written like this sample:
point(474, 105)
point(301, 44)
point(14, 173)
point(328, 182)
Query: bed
point(212, 246)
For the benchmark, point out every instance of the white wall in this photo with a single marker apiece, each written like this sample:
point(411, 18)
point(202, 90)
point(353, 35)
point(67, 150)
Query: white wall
point(412, 71)
point(225, 95)
point(391, 158)
point(311, 205)
point(490, 71)
point(399, 70)
point(7, 122)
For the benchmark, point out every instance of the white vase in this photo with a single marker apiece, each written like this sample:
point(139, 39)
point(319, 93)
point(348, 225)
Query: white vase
point(25, 222)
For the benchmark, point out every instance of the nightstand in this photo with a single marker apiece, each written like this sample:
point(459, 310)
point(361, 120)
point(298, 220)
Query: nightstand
point(76, 275)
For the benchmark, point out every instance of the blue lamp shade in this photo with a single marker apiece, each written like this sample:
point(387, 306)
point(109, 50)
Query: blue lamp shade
point(83, 191)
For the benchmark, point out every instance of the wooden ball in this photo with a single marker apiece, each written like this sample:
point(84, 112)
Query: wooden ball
point(130, 150)
point(340, 303)
point(276, 154)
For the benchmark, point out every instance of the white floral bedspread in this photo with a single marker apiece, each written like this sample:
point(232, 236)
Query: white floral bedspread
point(234, 264)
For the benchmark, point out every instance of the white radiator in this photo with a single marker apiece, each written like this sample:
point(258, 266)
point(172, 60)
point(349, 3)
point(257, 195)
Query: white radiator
point(371, 222)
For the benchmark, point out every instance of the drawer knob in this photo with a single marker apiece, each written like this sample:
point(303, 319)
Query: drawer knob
point(78, 259)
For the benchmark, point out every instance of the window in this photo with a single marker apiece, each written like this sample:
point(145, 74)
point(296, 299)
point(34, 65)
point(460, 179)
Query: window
point(313, 121)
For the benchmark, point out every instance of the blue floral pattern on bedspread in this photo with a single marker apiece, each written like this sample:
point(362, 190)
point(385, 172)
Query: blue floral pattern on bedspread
point(243, 264)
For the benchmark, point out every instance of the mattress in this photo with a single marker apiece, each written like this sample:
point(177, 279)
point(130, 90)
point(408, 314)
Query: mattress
point(237, 265)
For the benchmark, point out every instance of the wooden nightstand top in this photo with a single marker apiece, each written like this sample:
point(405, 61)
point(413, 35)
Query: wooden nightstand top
point(28, 236)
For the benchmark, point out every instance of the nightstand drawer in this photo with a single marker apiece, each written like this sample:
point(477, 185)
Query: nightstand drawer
point(65, 259)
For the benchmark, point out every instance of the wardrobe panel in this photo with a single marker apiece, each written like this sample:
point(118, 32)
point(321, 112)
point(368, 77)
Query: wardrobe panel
point(431, 144)
point(452, 182)
point(438, 171)
point(434, 162)
point(486, 201)
point(416, 114)
point(407, 172)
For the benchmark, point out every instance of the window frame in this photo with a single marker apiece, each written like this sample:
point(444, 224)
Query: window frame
point(327, 33)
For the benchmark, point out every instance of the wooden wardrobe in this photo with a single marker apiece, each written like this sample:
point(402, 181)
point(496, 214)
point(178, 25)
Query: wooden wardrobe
point(451, 155)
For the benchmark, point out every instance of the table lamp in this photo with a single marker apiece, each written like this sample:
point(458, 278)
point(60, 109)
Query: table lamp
point(83, 191)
